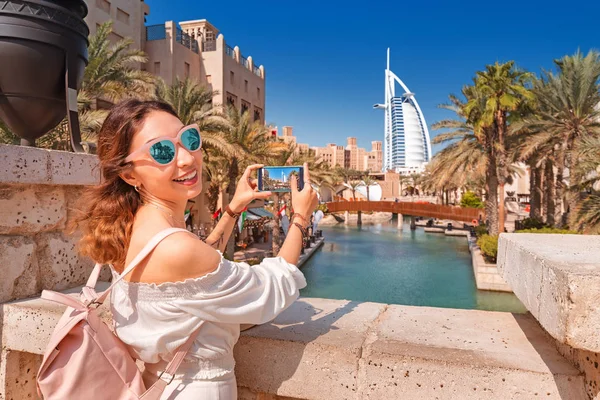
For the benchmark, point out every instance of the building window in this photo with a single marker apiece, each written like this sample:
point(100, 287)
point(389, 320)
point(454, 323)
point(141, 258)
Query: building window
point(246, 86)
point(103, 5)
point(231, 77)
point(231, 99)
point(157, 68)
point(210, 36)
point(122, 16)
point(209, 79)
point(186, 70)
point(257, 114)
point(245, 106)
point(258, 93)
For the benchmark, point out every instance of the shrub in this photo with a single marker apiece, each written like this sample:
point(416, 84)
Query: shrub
point(470, 199)
point(481, 230)
point(323, 207)
point(532, 223)
point(489, 247)
point(548, 229)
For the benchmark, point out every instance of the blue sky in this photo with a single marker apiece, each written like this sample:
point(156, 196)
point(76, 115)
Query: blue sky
point(325, 60)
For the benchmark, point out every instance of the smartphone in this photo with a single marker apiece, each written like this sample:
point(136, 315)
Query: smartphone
point(277, 179)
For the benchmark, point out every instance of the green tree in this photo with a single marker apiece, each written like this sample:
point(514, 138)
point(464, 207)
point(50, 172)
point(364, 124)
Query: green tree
point(470, 199)
point(503, 89)
point(566, 112)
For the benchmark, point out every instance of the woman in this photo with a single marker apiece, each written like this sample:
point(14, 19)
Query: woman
point(151, 165)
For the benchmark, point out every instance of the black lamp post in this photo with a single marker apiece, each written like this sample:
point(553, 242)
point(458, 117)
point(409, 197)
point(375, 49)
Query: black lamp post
point(43, 48)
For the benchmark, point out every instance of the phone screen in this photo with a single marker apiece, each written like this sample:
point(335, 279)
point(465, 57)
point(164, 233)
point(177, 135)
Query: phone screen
point(277, 179)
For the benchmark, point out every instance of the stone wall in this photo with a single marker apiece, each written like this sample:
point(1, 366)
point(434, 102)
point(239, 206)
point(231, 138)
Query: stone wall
point(39, 190)
point(557, 278)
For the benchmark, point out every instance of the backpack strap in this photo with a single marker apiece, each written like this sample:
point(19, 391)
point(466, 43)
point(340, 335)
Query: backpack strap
point(134, 263)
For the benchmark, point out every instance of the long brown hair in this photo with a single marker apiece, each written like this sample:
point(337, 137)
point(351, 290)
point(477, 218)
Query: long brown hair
point(107, 212)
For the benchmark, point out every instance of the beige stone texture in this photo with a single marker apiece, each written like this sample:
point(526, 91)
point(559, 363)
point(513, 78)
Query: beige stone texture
point(19, 377)
point(315, 340)
point(20, 272)
point(427, 353)
point(329, 349)
point(61, 266)
point(557, 278)
point(29, 210)
point(26, 165)
point(68, 168)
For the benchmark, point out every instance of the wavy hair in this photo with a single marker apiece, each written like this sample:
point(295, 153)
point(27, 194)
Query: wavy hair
point(107, 210)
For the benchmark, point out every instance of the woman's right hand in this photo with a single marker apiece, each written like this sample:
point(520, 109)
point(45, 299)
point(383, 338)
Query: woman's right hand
point(304, 201)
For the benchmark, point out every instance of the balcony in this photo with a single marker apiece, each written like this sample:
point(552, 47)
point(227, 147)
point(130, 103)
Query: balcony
point(256, 70)
point(244, 61)
point(229, 51)
point(186, 40)
point(156, 32)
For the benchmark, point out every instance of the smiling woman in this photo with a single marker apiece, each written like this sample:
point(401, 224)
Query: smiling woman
point(152, 164)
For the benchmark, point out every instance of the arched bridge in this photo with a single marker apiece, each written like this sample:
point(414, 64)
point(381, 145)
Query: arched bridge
point(408, 208)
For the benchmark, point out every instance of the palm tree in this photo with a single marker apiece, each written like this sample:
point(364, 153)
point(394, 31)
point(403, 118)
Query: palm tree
point(503, 87)
point(112, 72)
point(368, 181)
point(470, 152)
point(566, 112)
point(587, 215)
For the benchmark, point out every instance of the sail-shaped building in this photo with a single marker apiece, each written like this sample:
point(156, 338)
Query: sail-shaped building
point(407, 146)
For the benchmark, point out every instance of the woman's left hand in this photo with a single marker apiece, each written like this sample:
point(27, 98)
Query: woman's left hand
point(247, 190)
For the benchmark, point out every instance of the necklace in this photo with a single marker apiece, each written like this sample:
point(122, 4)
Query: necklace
point(182, 221)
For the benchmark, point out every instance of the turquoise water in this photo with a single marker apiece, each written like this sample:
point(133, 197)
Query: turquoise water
point(381, 264)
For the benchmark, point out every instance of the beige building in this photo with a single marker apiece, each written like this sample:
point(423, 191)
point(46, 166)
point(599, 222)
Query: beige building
point(288, 137)
point(127, 16)
point(197, 50)
point(352, 156)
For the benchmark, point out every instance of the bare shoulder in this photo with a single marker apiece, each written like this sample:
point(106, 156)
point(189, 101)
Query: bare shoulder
point(178, 257)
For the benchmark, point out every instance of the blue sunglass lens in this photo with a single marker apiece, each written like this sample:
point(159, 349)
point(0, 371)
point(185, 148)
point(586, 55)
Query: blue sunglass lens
point(163, 152)
point(191, 139)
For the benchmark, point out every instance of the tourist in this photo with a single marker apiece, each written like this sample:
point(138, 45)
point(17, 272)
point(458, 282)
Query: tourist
point(151, 165)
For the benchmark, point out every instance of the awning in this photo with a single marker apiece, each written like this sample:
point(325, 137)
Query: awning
point(259, 212)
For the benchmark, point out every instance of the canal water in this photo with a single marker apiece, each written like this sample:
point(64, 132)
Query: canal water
point(379, 263)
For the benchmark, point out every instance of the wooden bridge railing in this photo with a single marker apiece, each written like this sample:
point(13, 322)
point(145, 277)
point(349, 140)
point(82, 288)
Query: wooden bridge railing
point(408, 208)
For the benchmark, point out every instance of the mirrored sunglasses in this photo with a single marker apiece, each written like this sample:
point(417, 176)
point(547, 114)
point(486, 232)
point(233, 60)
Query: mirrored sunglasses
point(164, 150)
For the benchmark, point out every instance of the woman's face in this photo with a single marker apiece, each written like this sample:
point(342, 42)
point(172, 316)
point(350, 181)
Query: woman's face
point(179, 180)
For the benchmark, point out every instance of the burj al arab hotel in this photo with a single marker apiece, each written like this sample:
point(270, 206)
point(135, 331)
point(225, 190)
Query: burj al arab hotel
point(407, 146)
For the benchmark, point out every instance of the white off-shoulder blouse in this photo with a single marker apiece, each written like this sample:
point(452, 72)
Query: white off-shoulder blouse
point(155, 319)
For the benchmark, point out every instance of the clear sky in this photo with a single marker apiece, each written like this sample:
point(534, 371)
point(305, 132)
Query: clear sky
point(325, 59)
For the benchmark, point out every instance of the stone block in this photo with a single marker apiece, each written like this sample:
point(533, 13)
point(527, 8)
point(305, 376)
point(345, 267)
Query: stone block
point(18, 372)
point(61, 266)
point(557, 278)
point(23, 165)
point(66, 168)
point(20, 271)
point(315, 340)
point(29, 210)
point(428, 353)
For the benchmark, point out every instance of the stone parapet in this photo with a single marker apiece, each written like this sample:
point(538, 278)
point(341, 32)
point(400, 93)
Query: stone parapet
point(557, 278)
point(332, 349)
point(29, 165)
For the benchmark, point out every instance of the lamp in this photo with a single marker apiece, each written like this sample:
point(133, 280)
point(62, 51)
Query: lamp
point(43, 48)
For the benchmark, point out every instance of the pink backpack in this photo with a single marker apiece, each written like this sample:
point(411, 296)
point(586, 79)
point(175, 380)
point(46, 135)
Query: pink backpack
point(85, 360)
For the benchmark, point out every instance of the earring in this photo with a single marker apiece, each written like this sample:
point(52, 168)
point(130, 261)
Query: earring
point(136, 188)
